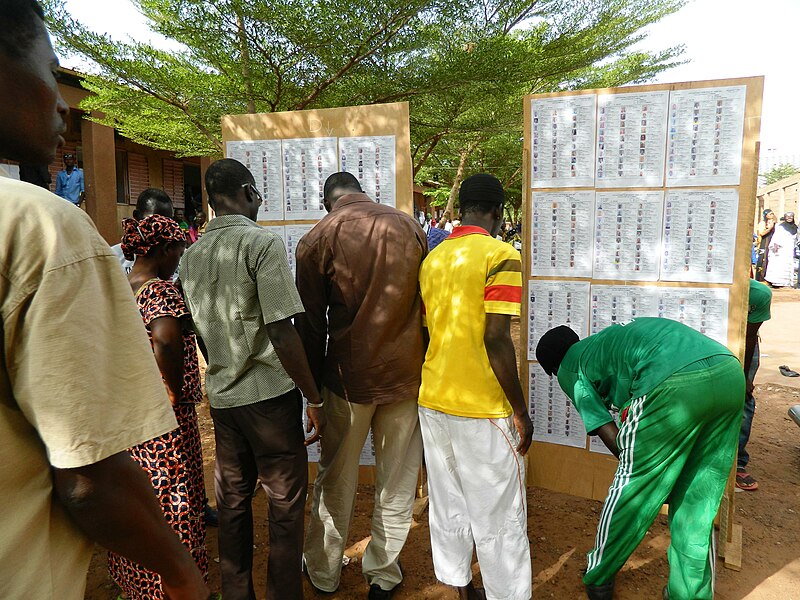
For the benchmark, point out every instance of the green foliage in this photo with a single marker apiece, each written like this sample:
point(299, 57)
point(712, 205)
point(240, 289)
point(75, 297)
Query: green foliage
point(463, 65)
point(566, 45)
point(438, 195)
point(782, 171)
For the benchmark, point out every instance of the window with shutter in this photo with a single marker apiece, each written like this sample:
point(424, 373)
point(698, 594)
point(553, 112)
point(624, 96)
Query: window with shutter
point(138, 175)
point(173, 181)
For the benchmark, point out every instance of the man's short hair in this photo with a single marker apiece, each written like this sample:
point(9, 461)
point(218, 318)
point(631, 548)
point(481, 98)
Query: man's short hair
point(226, 177)
point(153, 201)
point(480, 193)
point(343, 180)
point(553, 347)
point(20, 22)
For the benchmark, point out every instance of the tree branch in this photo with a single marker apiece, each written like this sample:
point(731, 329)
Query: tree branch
point(433, 143)
point(512, 178)
point(462, 163)
point(518, 19)
point(177, 104)
point(390, 29)
point(241, 33)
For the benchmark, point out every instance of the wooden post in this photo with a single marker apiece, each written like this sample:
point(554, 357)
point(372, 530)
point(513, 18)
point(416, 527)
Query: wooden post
point(100, 177)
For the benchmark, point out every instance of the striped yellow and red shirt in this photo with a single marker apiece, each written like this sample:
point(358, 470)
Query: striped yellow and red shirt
point(467, 276)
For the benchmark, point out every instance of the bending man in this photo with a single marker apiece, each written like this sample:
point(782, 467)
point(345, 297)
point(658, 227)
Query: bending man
point(680, 397)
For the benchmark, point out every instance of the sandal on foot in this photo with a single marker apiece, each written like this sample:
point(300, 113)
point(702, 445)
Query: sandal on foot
point(744, 481)
point(787, 372)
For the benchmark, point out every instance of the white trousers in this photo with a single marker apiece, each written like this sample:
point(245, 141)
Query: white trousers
point(476, 487)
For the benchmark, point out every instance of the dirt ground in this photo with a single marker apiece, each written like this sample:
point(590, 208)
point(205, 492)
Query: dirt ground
point(561, 528)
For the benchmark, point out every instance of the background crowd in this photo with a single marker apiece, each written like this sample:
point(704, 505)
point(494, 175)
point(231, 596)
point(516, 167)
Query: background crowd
point(776, 250)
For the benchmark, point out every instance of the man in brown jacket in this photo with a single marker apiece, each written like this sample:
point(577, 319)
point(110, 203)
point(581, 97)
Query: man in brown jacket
point(357, 277)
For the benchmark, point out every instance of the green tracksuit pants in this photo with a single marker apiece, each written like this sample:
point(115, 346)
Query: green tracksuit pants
point(677, 445)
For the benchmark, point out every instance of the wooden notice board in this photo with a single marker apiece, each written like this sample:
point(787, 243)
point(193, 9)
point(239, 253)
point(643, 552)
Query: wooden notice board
point(373, 120)
point(614, 179)
point(292, 153)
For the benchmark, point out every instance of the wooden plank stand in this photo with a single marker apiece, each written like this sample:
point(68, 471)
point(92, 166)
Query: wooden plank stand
point(555, 161)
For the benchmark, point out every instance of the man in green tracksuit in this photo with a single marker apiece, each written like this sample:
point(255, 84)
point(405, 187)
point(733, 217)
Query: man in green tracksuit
point(679, 396)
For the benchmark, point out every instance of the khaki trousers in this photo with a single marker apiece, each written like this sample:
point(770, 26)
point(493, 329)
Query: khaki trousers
point(398, 453)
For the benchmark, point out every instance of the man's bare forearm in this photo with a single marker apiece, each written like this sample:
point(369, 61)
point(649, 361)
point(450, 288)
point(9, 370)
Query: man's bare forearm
point(750, 341)
point(608, 434)
point(503, 361)
point(113, 504)
point(313, 333)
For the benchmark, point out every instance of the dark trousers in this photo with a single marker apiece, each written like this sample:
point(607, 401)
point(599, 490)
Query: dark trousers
point(261, 441)
point(749, 410)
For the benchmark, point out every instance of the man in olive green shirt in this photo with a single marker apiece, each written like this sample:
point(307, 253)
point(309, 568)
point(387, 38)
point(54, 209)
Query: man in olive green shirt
point(679, 396)
point(242, 297)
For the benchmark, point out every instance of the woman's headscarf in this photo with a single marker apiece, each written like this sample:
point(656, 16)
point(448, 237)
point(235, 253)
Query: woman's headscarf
point(790, 227)
point(139, 237)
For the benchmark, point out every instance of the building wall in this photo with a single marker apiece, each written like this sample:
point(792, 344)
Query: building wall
point(104, 156)
point(780, 197)
point(146, 168)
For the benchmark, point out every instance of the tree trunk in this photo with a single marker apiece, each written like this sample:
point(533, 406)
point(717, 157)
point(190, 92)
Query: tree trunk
point(464, 155)
point(245, 50)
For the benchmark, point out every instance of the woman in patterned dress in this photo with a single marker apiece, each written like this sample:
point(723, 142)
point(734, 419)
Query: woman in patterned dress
point(173, 461)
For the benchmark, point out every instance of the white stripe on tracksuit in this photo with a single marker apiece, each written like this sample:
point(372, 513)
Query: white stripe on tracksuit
point(621, 479)
point(712, 559)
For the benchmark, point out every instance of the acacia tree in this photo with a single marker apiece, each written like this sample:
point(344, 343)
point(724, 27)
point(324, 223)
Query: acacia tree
point(781, 171)
point(478, 126)
point(463, 65)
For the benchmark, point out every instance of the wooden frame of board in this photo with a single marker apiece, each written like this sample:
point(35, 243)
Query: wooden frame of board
point(580, 472)
point(349, 121)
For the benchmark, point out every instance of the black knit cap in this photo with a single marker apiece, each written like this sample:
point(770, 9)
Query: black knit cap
point(553, 346)
point(481, 189)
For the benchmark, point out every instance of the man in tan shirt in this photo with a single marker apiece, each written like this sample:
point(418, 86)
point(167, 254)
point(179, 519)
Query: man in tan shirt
point(357, 277)
point(78, 381)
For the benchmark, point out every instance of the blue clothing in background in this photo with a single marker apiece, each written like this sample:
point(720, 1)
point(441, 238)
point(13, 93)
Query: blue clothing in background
point(70, 186)
point(436, 236)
